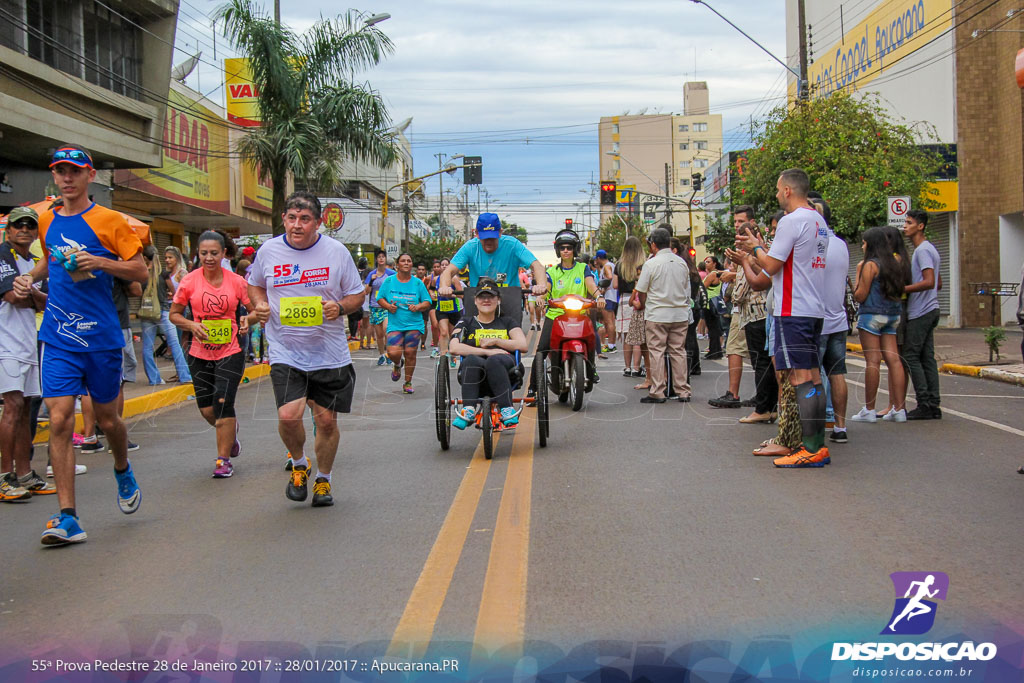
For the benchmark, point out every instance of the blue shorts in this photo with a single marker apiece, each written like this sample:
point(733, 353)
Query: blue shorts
point(73, 373)
point(796, 342)
point(832, 348)
point(611, 306)
point(878, 323)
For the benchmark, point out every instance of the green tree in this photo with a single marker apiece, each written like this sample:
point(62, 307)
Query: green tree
point(612, 233)
point(426, 250)
point(513, 230)
point(313, 116)
point(854, 152)
point(719, 234)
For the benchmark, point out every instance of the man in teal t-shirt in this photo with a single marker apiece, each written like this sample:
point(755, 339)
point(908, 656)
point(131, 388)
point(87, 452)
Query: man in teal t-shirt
point(495, 256)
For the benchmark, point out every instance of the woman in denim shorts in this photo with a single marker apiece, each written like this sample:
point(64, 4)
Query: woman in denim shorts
point(879, 290)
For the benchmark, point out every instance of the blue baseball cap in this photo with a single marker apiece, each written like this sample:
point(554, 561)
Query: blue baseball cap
point(69, 154)
point(601, 253)
point(488, 225)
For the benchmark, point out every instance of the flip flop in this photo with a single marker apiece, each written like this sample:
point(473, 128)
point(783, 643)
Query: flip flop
point(770, 448)
point(757, 420)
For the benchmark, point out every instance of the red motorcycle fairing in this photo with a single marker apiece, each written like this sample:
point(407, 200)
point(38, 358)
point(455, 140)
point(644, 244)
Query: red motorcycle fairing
point(572, 330)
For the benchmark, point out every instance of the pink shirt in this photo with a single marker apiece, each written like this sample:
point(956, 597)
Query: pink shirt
point(524, 279)
point(213, 303)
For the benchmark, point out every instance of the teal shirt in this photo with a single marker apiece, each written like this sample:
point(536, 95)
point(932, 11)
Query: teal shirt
point(404, 294)
point(503, 265)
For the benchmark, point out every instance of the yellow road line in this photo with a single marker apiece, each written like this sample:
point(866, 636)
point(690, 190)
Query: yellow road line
point(416, 626)
point(501, 620)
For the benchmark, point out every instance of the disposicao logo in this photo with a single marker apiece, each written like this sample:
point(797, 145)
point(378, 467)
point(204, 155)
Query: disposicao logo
point(914, 613)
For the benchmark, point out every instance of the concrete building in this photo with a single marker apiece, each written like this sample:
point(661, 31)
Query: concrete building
point(76, 70)
point(655, 156)
point(952, 67)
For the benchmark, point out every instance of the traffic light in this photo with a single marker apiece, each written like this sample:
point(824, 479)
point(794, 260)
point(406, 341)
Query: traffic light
point(696, 181)
point(568, 223)
point(473, 173)
point(693, 254)
point(608, 194)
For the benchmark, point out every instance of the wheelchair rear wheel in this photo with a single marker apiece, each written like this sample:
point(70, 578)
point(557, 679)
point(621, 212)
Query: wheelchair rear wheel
point(442, 403)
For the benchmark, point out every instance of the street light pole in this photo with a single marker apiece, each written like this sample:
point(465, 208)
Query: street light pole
point(440, 186)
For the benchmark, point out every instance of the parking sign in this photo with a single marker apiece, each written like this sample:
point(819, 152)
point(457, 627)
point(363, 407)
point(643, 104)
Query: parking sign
point(898, 207)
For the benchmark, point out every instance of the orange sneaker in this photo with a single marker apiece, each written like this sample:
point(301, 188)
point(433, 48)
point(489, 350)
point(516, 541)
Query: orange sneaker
point(804, 459)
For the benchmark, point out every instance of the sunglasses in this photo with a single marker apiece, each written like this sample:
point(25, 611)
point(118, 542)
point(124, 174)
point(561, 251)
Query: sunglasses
point(71, 155)
point(24, 225)
point(565, 247)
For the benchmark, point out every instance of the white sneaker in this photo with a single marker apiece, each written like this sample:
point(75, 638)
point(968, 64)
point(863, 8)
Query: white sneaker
point(79, 469)
point(896, 416)
point(866, 415)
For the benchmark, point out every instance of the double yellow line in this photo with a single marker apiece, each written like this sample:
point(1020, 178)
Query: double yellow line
point(501, 619)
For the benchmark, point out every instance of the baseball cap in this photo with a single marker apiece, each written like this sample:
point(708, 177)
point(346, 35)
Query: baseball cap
point(488, 225)
point(69, 154)
point(601, 253)
point(22, 212)
point(487, 286)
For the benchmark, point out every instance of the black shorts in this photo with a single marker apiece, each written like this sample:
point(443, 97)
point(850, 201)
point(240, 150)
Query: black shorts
point(216, 379)
point(331, 388)
point(453, 317)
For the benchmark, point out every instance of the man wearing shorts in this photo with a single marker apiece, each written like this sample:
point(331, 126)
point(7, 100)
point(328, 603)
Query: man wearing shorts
point(796, 266)
point(88, 246)
point(19, 361)
point(832, 346)
point(302, 285)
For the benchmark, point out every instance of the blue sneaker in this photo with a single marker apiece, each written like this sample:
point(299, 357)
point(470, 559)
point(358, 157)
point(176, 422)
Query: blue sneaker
point(509, 417)
point(464, 419)
point(381, 360)
point(62, 529)
point(389, 361)
point(129, 496)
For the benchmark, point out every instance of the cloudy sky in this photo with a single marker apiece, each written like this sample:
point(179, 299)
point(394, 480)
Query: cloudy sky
point(524, 83)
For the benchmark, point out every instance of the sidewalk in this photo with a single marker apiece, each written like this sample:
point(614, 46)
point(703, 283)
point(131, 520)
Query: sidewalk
point(964, 352)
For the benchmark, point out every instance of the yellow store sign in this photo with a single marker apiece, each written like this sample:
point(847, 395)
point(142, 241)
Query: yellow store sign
point(242, 95)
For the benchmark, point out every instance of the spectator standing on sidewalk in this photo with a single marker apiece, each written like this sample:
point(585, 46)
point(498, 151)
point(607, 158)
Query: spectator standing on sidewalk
point(711, 314)
point(832, 346)
point(664, 295)
point(922, 318)
point(165, 292)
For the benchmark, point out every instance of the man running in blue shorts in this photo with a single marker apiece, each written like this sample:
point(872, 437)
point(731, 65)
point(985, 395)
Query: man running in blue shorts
point(88, 246)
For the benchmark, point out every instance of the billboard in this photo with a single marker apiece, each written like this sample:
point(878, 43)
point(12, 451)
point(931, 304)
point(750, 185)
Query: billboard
point(256, 194)
point(349, 222)
point(240, 93)
point(195, 158)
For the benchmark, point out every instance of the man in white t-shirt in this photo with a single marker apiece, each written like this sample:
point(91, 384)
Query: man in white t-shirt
point(302, 286)
point(19, 361)
point(922, 318)
point(796, 268)
point(832, 343)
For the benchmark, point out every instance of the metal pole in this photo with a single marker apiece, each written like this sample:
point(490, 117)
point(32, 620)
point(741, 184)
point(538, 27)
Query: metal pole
point(802, 27)
point(668, 205)
point(440, 192)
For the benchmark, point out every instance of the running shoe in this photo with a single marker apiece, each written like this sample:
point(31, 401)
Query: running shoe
point(93, 447)
point(464, 419)
point(322, 493)
point(62, 529)
point(11, 491)
point(396, 373)
point(223, 469)
point(839, 436)
point(77, 440)
point(288, 462)
point(509, 417)
point(79, 469)
point(896, 415)
point(388, 361)
point(36, 485)
point(296, 489)
point(435, 352)
point(129, 495)
point(132, 447)
point(612, 348)
point(804, 459)
point(864, 415)
point(380, 361)
point(627, 372)
point(407, 387)
point(726, 400)
point(605, 348)
point(236, 447)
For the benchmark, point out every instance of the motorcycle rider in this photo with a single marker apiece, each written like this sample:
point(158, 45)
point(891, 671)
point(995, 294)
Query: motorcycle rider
point(568, 276)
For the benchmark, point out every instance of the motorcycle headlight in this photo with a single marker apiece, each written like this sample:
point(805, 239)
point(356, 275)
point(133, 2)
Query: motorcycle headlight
point(573, 305)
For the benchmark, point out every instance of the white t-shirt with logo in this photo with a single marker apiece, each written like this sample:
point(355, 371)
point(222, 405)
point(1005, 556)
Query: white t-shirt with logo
point(326, 270)
point(801, 243)
point(837, 268)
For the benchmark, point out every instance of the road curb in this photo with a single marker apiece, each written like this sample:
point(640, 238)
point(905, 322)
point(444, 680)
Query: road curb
point(140, 405)
point(854, 348)
point(983, 373)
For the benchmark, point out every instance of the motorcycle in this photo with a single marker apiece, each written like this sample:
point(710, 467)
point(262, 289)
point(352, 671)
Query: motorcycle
point(572, 346)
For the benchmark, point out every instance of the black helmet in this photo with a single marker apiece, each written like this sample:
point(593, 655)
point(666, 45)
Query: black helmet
point(567, 236)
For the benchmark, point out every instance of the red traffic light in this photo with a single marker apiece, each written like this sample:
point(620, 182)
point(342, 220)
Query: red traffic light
point(568, 222)
point(607, 193)
point(693, 253)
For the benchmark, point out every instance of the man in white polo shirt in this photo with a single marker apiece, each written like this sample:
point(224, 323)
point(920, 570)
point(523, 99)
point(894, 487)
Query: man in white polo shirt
point(664, 291)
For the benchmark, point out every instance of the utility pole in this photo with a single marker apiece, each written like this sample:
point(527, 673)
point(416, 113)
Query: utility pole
point(277, 12)
point(668, 193)
point(440, 193)
point(802, 27)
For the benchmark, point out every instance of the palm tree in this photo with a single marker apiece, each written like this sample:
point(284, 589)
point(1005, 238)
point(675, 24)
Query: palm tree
point(313, 114)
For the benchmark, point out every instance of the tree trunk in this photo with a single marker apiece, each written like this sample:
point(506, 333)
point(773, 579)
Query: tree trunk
point(280, 180)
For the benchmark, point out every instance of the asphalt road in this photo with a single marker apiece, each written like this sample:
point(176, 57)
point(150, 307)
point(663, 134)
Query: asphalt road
point(640, 523)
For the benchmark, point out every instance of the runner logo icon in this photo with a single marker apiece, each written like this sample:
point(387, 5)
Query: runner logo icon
point(914, 611)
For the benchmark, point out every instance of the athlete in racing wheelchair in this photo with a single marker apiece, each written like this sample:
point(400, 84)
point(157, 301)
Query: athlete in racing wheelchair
point(490, 345)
